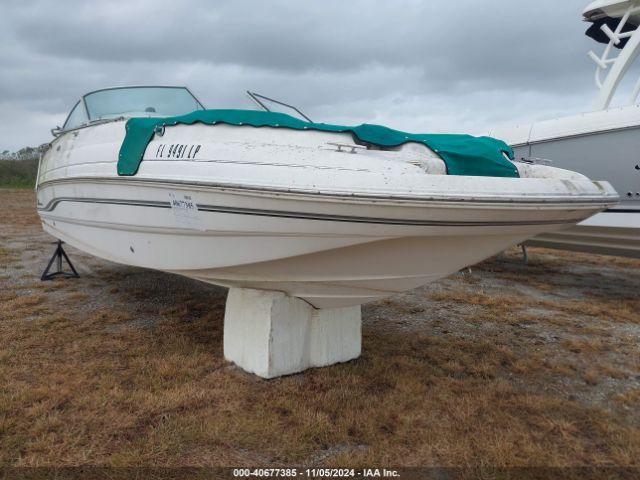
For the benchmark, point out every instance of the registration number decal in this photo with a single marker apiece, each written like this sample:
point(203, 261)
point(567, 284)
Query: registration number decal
point(185, 210)
point(178, 150)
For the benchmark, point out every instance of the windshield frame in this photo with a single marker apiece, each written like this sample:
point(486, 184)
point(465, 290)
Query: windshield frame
point(127, 87)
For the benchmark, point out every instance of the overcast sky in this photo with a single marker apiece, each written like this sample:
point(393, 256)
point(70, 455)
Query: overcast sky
point(418, 65)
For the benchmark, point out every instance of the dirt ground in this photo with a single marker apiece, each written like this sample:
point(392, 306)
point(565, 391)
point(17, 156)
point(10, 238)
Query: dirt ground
point(503, 365)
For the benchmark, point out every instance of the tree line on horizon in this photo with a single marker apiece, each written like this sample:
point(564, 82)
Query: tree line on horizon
point(26, 153)
point(19, 169)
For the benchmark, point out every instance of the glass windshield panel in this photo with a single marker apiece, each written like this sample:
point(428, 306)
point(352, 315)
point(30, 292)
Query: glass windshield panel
point(77, 117)
point(140, 102)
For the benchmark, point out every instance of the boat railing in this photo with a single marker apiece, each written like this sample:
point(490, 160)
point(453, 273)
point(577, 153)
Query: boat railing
point(257, 98)
point(57, 131)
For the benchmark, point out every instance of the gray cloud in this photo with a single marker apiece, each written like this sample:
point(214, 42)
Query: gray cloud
point(429, 65)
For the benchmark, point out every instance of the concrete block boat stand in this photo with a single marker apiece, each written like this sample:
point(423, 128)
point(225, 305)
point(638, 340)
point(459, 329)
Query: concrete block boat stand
point(271, 334)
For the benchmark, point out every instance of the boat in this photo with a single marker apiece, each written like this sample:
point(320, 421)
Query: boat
point(310, 213)
point(330, 216)
point(602, 143)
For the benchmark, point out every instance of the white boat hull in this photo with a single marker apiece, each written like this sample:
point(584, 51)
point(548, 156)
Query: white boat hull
point(273, 209)
point(330, 252)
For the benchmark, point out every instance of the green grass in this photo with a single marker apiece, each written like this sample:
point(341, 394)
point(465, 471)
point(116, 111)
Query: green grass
point(18, 173)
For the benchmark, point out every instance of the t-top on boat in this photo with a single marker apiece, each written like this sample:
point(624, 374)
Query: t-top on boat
point(303, 221)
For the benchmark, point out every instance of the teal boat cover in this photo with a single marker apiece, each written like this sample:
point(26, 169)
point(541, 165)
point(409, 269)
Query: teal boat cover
point(462, 154)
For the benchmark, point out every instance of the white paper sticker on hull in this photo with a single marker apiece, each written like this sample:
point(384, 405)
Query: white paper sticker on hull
point(185, 210)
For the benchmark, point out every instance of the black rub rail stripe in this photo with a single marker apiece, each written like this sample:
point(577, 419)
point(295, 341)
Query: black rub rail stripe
point(297, 215)
point(347, 219)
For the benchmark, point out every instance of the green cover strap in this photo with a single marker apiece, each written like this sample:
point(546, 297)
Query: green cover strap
point(462, 154)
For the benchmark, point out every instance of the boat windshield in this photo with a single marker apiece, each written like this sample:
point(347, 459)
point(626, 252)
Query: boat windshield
point(140, 102)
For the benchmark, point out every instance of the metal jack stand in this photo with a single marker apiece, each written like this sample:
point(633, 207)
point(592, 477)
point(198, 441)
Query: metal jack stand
point(57, 257)
point(525, 254)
